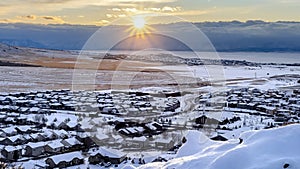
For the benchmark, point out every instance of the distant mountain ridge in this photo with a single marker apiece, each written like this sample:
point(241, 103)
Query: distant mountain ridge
point(24, 43)
point(257, 36)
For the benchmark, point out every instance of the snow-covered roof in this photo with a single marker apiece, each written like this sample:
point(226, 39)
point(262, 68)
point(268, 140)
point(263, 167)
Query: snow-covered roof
point(14, 138)
point(55, 144)
point(36, 145)
point(107, 152)
point(35, 135)
point(60, 132)
point(68, 157)
point(71, 141)
point(164, 140)
point(34, 109)
point(72, 124)
point(12, 148)
point(100, 135)
point(9, 130)
point(24, 128)
point(151, 126)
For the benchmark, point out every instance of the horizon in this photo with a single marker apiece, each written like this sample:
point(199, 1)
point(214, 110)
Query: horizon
point(105, 12)
point(129, 24)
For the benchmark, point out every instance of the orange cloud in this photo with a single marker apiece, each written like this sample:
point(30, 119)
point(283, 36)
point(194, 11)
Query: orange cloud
point(31, 17)
point(53, 18)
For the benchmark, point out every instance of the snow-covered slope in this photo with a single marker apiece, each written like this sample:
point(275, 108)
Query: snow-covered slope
point(6, 50)
point(266, 149)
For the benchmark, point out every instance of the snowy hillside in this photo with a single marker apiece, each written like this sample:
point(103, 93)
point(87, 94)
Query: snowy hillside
point(265, 149)
point(6, 50)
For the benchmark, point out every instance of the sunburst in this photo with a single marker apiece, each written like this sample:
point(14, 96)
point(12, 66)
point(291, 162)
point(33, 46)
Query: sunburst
point(139, 27)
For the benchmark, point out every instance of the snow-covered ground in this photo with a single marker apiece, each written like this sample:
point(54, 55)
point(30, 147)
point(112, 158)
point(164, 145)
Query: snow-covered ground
point(264, 149)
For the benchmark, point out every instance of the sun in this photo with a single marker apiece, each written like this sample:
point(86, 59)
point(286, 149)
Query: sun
point(139, 22)
point(139, 27)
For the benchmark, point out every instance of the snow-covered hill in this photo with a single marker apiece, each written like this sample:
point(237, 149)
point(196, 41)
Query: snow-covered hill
point(265, 149)
point(6, 50)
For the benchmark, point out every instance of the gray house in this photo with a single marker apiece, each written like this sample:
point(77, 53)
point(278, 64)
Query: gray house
point(106, 155)
point(65, 160)
point(35, 149)
point(12, 153)
point(54, 146)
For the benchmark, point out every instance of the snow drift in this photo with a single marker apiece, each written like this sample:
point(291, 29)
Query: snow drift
point(265, 149)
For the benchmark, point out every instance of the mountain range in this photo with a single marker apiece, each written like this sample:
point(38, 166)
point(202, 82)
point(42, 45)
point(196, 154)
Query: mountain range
point(258, 36)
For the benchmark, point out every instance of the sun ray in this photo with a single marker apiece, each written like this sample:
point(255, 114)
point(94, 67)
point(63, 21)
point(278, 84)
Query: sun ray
point(139, 27)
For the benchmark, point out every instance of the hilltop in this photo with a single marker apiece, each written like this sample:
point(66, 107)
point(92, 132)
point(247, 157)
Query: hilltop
point(264, 149)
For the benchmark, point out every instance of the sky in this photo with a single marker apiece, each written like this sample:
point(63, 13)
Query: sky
point(104, 12)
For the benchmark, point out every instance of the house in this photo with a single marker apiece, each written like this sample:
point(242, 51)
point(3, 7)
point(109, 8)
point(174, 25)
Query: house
point(22, 102)
point(71, 125)
point(172, 104)
point(106, 155)
point(242, 105)
point(100, 137)
point(56, 106)
point(203, 120)
point(2, 118)
point(137, 142)
point(36, 137)
point(25, 129)
point(35, 149)
point(110, 110)
point(219, 138)
point(85, 139)
point(166, 143)
point(132, 131)
point(21, 121)
point(34, 110)
point(71, 143)
point(49, 135)
point(65, 160)
point(266, 109)
point(8, 131)
point(13, 140)
point(153, 127)
point(60, 134)
point(54, 146)
point(12, 153)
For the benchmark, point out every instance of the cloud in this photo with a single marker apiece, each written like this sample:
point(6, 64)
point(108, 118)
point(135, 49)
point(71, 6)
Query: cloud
point(102, 22)
point(31, 17)
point(116, 9)
point(54, 18)
point(109, 16)
point(27, 17)
point(170, 9)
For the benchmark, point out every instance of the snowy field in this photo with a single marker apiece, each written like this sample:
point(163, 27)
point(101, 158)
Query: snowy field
point(247, 138)
point(28, 78)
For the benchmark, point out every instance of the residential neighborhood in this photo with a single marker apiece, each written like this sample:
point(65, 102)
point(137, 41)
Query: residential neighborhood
point(63, 128)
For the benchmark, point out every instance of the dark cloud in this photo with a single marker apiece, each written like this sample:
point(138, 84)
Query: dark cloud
point(31, 17)
point(53, 18)
point(49, 17)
